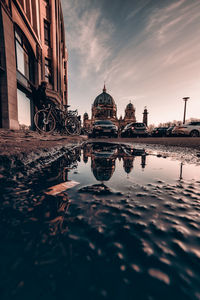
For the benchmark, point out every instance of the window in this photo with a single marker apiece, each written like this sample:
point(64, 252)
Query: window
point(194, 123)
point(47, 32)
point(24, 57)
point(48, 70)
point(24, 108)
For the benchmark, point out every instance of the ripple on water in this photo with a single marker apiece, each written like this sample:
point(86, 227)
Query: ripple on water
point(136, 268)
point(180, 231)
point(196, 252)
point(159, 275)
point(147, 248)
point(165, 260)
point(158, 228)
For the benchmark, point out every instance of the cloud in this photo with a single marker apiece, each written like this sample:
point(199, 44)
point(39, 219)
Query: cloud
point(146, 55)
point(161, 15)
point(88, 35)
point(137, 10)
point(168, 22)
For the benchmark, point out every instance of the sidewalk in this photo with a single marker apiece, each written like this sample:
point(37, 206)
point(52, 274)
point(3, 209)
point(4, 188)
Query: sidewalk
point(182, 142)
point(23, 142)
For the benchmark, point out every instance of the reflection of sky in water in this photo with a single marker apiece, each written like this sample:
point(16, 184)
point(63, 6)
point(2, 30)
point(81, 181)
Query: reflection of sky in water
point(156, 169)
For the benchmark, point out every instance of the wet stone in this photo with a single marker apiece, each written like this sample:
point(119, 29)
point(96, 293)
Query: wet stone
point(98, 189)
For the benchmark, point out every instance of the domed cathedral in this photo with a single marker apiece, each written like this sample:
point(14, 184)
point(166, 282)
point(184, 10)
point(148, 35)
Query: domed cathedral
point(105, 108)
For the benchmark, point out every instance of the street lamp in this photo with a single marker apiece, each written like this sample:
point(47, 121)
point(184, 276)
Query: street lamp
point(185, 99)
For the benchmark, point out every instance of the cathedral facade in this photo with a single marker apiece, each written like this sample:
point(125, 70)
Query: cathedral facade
point(105, 108)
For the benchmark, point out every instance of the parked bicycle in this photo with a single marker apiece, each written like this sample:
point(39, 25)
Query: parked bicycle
point(50, 118)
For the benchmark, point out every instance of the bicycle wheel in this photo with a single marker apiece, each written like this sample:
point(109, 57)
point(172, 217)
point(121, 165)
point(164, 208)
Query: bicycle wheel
point(44, 121)
point(71, 125)
point(78, 129)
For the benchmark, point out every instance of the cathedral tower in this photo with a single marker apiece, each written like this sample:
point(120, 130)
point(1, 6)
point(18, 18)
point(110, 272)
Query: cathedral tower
point(145, 116)
point(130, 113)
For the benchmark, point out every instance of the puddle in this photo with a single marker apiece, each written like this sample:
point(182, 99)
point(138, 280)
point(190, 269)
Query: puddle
point(111, 222)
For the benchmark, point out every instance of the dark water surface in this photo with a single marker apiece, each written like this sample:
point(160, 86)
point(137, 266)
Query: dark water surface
point(106, 222)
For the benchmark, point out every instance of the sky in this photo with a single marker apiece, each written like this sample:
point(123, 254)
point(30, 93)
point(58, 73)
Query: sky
point(147, 52)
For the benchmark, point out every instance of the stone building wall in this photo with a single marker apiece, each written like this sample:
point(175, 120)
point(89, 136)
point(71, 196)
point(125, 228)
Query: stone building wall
point(32, 51)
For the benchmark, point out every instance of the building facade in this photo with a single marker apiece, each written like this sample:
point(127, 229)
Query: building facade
point(33, 59)
point(105, 108)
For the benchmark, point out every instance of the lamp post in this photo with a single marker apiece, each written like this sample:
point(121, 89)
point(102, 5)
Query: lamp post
point(185, 99)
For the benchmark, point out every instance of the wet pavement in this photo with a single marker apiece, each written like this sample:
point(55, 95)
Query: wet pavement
point(108, 221)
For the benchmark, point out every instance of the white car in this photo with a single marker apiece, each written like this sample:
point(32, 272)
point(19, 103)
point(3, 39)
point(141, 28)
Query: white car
point(191, 129)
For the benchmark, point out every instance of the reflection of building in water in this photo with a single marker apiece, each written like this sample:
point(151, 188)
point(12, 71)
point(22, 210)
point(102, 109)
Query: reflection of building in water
point(85, 158)
point(103, 157)
point(181, 171)
point(65, 174)
point(86, 153)
point(58, 172)
point(143, 161)
point(128, 163)
point(103, 168)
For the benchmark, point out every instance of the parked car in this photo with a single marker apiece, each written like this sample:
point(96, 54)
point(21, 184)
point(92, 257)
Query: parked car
point(189, 129)
point(134, 129)
point(104, 128)
point(104, 150)
point(159, 131)
point(169, 131)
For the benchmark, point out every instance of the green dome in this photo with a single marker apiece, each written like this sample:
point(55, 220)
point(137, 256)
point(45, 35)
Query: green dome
point(104, 99)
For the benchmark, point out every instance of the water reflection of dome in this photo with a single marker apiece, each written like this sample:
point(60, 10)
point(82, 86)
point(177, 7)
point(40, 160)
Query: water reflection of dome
point(85, 158)
point(103, 168)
